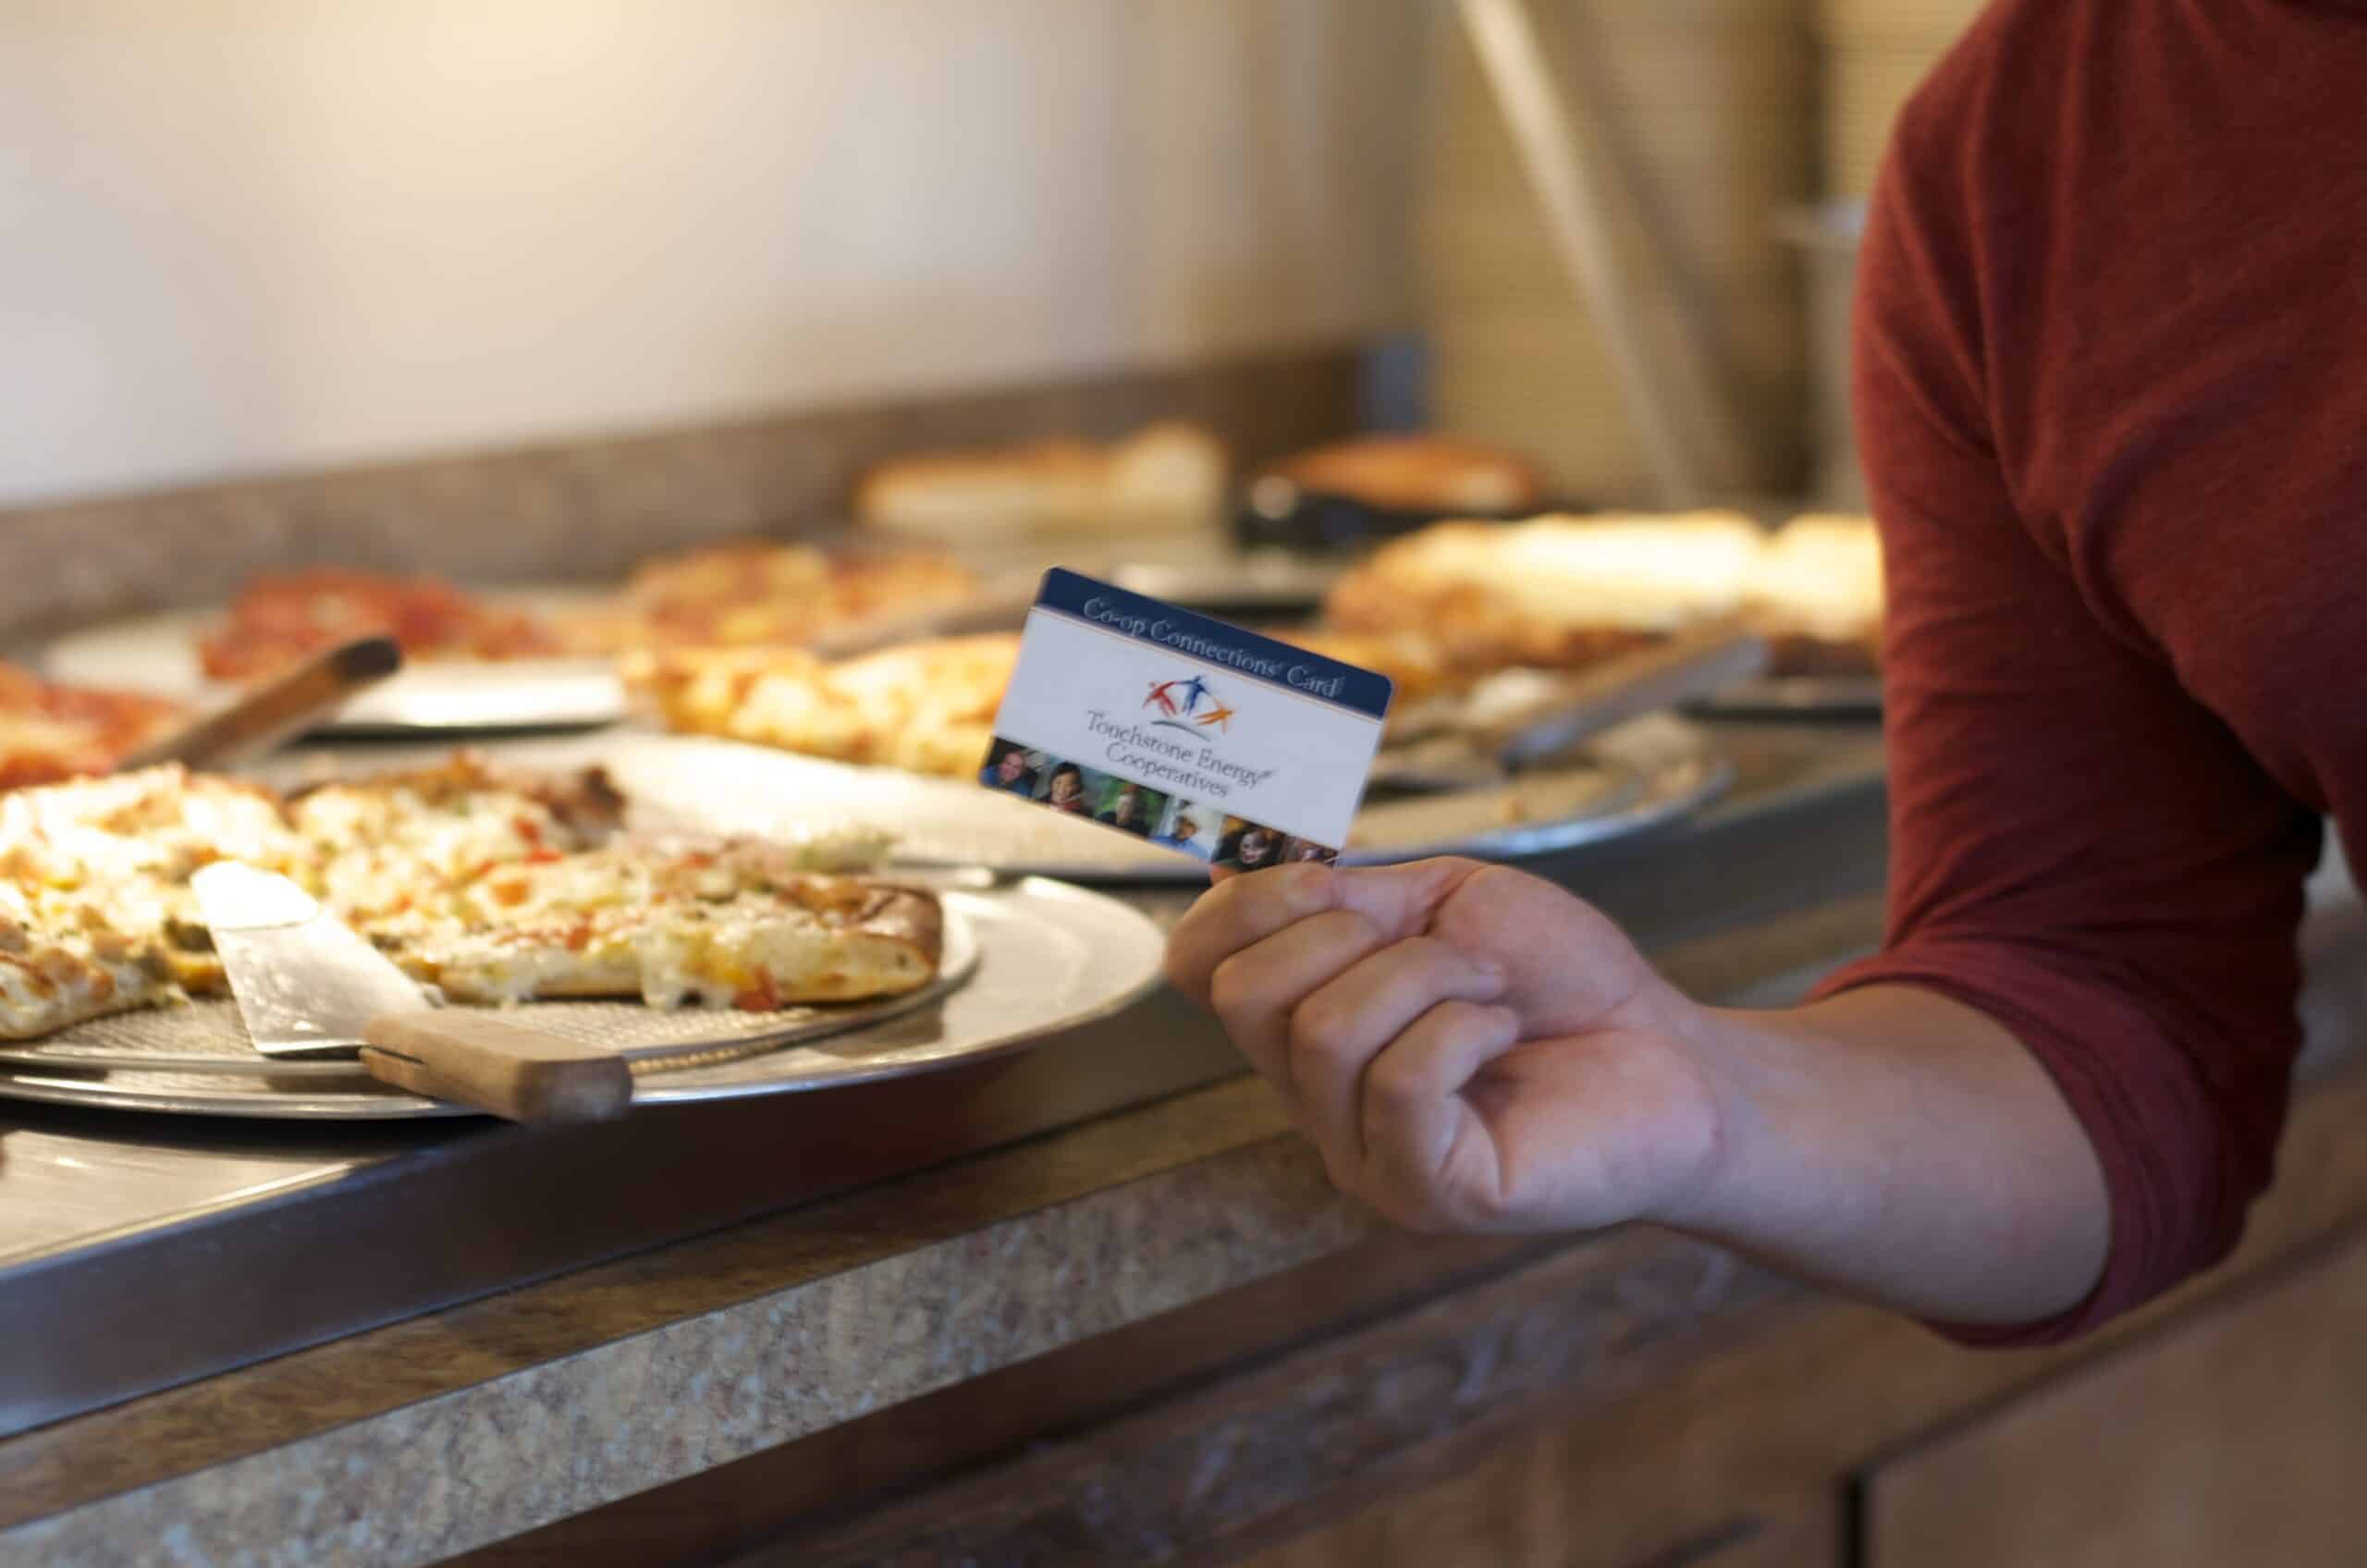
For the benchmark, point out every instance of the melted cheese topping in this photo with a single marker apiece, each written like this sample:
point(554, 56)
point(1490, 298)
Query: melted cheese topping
point(483, 887)
point(928, 707)
point(724, 926)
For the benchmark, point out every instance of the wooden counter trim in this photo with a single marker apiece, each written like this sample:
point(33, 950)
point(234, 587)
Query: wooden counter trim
point(1086, 1196)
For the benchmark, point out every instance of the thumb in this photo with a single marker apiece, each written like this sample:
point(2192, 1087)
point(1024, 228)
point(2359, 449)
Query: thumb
point(1400, 901)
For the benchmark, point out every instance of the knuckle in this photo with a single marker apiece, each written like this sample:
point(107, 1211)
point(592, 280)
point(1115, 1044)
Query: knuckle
point(1304, 889)
point(1492, 884)
point(1397, 1084)
point(1232, 988)
point(1350, 926)
point(1323, 1026)
point(1460, 1020)
point(1425, 953)
point(1429, 962)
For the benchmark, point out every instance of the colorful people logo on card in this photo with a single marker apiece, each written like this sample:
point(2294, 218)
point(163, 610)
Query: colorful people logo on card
point(1189, 704)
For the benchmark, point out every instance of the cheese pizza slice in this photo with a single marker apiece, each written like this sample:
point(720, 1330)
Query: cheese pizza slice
point(737, 924)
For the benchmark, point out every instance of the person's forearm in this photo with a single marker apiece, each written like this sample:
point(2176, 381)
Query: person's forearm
point(1899, 1145)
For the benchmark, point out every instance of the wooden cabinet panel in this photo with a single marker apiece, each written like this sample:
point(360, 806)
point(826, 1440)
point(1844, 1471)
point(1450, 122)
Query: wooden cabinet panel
point(2240, 1436)
point(1535, 1502)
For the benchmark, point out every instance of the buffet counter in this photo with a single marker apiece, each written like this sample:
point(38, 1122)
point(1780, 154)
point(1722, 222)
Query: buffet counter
point(1093, 1302)
point(151, 1258)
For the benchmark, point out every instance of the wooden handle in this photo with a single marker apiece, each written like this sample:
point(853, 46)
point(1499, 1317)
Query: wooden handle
point(273, 710)
point(1692, 664)
point(523, 1074)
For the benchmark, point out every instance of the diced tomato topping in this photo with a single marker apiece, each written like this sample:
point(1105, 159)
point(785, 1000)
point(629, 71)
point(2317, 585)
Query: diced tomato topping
point(761, 996)
point(508, 893)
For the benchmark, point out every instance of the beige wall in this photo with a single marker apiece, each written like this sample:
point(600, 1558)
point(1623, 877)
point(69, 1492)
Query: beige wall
point(242, 235)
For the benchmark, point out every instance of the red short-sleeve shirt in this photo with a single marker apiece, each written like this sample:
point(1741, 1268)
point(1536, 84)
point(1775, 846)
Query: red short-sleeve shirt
point(2111, 387)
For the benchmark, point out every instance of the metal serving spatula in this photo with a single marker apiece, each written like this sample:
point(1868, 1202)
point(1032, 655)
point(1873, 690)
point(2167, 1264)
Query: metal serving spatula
point(308, 985)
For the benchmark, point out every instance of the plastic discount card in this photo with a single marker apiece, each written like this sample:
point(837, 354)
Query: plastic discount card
point(1198, 736)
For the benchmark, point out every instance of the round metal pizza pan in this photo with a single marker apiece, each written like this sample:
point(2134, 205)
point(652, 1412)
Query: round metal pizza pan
point(1041, 958)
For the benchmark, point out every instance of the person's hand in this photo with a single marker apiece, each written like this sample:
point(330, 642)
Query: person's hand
point(1470, 1047)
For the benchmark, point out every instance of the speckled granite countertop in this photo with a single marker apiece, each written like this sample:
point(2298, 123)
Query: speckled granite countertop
point(409, 1443)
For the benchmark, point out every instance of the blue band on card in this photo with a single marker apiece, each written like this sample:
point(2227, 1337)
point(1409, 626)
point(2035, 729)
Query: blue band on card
point(1230, 648)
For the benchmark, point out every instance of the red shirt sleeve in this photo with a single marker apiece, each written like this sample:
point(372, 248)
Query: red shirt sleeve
point(2079, 849)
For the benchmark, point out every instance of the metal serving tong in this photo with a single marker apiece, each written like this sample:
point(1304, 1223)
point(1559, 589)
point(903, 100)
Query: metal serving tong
point(1534, 713)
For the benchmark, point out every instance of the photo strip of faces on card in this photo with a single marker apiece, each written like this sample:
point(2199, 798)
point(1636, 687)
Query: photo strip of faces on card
point(1191, 828)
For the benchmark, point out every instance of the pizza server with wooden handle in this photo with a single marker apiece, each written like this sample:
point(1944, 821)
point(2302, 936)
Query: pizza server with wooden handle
point(308, 985)
point(264, 715)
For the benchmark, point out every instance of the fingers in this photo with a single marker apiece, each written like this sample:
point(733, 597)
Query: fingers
point(1243, 909)
point(1315, 971)
point(1338, 1030)
point(1428, 1159)
point(1238, 912)
point(1256, 990)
